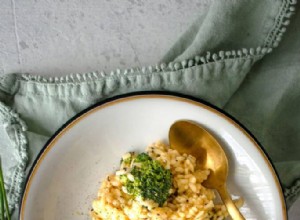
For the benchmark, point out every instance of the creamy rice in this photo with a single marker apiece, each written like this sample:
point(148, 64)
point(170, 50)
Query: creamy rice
point(188, 199)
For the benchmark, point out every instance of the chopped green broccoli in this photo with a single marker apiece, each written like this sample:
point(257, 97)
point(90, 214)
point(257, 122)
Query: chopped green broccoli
point(151, 180)
point(142, 158)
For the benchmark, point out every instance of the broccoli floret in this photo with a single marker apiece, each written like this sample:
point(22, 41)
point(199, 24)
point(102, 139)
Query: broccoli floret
point(142, 158)
point(151, 180)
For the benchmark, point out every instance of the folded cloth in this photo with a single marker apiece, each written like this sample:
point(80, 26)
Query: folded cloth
point(215, 60)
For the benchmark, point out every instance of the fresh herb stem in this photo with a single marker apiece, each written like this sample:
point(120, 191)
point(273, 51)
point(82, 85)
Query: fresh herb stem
point(4, 203)
point(1, 204)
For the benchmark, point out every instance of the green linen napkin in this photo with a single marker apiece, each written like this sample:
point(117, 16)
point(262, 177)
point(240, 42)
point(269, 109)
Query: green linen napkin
point(216, 60)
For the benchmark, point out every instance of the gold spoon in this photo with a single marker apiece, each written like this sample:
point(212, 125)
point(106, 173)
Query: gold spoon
point(188, 137)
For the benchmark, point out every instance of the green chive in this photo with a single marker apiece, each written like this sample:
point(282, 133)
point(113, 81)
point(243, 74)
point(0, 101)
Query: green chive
point(1, 202)
point(3, 194)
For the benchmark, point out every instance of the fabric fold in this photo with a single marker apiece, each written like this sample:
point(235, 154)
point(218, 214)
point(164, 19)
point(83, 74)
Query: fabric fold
point(15, 129)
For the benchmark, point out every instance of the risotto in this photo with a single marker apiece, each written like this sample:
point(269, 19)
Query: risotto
point(187, 198)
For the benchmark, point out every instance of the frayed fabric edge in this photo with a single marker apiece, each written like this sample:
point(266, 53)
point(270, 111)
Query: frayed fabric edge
point(15, 128)
point(282, 21)
point(291, 193)
point(163, 67)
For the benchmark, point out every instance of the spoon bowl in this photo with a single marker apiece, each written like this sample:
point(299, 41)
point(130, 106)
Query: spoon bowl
point(190, 138)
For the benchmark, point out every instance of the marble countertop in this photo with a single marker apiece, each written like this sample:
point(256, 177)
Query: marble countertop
point(59, 37)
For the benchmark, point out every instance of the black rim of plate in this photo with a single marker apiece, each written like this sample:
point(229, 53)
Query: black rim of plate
point(145, 93)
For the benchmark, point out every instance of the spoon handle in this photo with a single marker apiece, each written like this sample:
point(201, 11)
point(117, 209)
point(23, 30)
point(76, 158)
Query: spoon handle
point(231, 208)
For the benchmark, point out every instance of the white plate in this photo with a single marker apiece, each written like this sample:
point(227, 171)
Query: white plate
point(67, 175)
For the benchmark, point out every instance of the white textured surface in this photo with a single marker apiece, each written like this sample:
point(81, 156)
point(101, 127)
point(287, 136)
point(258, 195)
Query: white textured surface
point(69, 36)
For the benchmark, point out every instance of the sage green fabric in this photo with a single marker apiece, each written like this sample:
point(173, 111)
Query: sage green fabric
point(227, 58)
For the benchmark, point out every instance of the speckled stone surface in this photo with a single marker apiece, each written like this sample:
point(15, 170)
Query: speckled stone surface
point(51, 37)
